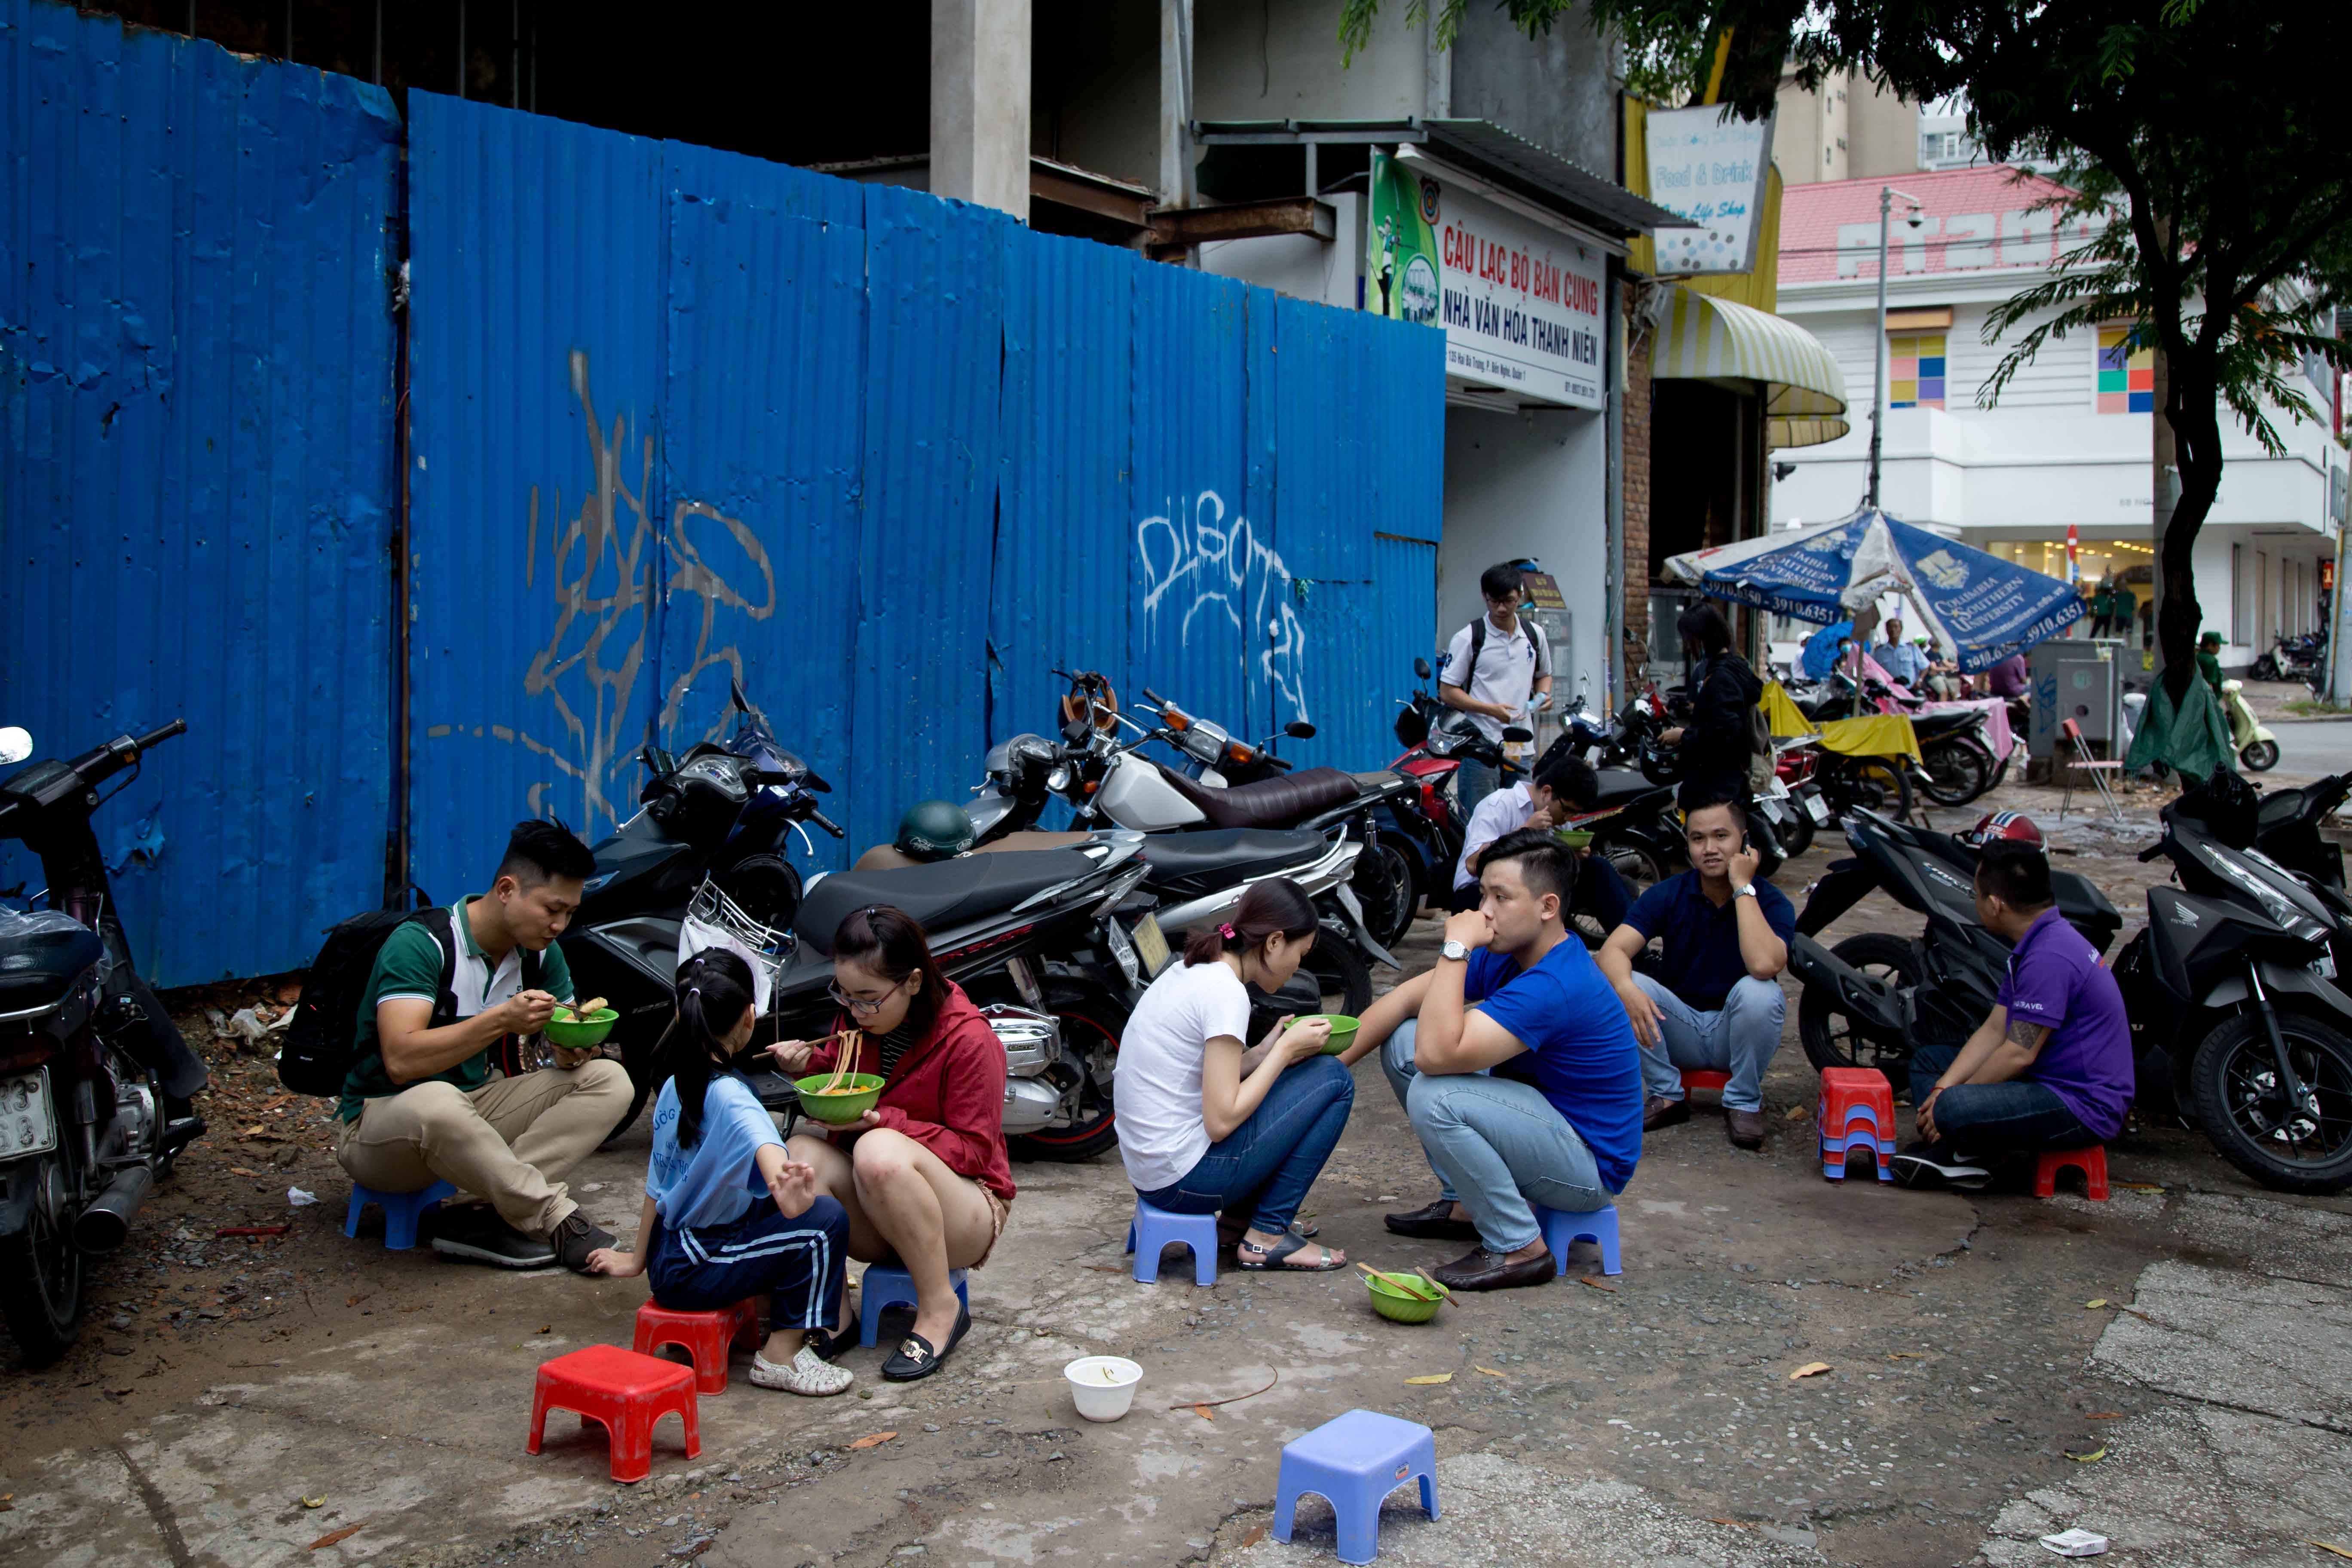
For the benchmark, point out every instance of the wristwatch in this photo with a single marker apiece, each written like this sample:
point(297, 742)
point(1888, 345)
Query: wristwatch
point(1454, 951)
point(1746, 890)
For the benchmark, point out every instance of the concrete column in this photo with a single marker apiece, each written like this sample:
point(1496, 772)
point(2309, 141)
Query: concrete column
point(1176, 103)
point(980, 102)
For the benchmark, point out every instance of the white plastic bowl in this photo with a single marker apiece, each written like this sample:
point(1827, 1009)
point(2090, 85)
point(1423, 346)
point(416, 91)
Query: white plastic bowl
point(1103, 1385)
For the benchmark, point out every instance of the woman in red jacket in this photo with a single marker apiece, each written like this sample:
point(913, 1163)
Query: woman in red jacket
point(923, 1174)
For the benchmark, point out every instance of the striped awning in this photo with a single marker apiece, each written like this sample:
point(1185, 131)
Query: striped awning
point(1705, 338)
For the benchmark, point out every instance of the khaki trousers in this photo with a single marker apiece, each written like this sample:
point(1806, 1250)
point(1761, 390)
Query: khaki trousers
point(509, 1142)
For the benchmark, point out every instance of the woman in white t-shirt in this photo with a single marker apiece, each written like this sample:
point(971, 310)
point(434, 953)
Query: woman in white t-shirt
point(1206, 1127)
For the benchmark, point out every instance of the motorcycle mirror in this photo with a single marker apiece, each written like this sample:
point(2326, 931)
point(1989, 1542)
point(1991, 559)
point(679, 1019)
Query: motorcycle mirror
point(1299, 729)
point(15, 745)
point(1421, 668)
point(1517, 733)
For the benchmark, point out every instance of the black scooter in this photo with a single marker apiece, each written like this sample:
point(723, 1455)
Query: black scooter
point(2236, 1013)
point(1874, 999)
point(95, 1078)
point(1044, 941)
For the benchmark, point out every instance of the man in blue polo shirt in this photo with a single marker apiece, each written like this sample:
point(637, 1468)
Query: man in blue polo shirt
point(2050, 1066)
point(1714, 1001)
point(1535, 1098)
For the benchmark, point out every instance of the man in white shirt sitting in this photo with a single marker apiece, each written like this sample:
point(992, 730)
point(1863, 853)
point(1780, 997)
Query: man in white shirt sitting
point(1557, 793)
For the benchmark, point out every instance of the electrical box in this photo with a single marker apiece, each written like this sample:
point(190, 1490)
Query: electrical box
point(2077, 679)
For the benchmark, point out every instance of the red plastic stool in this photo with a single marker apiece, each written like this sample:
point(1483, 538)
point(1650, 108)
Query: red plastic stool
point(627, 1393)
point(703, 1335)
point(1703, 1078)
point(1845, 1091)
point(2091, 1162)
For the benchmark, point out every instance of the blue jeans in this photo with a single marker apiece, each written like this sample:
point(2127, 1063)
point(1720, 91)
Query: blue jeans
point(1474, 782)
point(1738, 1038)
point(2017, 1117)
point(1264, 1167)
point(798, 1264)
point(1498, 1145)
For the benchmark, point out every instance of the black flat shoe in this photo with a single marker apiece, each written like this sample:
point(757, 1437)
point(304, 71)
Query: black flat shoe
point(829, 1342)
point(916, 1357)
point(1434, 1221)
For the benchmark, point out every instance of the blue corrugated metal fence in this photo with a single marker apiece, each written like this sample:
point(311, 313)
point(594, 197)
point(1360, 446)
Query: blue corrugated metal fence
point(196, 347)
point(676, 416)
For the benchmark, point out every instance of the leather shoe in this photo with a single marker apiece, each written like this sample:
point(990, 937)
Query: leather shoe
point(1659, 1111)
point(1479, 1269)
point(1745, 1128)
point(1434, 1220)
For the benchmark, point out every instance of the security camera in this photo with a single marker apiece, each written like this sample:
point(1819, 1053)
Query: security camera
point(1912, 220)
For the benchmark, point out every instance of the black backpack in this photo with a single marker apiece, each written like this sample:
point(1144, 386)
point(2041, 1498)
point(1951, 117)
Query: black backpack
point(321, 1044)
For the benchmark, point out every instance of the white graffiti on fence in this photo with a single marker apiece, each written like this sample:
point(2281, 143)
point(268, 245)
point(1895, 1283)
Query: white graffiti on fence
point(1220, 572)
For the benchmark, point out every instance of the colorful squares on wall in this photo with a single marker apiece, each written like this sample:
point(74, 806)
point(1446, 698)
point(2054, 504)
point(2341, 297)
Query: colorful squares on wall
point(1915, 369)
point(2126, 375)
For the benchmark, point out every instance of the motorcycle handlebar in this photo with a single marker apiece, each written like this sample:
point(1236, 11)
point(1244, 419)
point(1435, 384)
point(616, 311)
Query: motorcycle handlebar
point(156, 738)
point(1157, 701)
point(821, 820)
point(2150, 853)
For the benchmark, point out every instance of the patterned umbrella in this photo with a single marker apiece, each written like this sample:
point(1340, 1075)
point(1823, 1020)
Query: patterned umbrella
point(1980, 608)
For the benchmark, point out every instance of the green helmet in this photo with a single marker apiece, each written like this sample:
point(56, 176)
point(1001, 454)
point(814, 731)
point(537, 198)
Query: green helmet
point(934, 830)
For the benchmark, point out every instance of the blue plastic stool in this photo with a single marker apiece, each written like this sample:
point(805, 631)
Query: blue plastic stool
point(401, 1212)
point(881, 1288)
point(1152, 1230)
point(1562, 1231)
point(1855, 1116)
point(1354, 1462)
point(1836, 1152)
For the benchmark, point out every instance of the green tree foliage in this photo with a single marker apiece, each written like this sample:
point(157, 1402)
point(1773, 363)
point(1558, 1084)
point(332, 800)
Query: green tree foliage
point(2201, 148)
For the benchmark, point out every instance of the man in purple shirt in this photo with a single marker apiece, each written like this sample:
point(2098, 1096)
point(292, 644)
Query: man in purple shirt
point(2050, 1066)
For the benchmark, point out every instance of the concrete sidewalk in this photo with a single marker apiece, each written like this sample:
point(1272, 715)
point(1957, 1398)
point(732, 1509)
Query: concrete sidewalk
point(1646, 1418)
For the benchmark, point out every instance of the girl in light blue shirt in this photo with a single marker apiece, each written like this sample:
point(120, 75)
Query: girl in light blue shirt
point(706, 1236)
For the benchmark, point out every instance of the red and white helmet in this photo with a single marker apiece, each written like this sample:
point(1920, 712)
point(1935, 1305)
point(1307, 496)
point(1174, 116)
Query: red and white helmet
point(2013, 825)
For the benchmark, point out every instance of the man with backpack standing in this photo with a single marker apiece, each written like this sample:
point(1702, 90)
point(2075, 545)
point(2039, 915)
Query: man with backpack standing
point(448, 989)
point(1494, 669)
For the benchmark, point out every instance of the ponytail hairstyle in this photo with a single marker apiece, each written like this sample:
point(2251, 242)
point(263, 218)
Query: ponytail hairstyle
point(890, 942)
point(1277, 906)
point(714, 987)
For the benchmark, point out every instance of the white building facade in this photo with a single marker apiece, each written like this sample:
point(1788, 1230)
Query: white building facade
point(2068, 443)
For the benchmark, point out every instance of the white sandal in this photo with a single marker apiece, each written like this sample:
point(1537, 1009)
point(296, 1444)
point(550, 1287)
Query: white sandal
point(807, 1373)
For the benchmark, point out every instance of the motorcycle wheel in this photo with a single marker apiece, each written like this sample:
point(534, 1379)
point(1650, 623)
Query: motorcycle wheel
point(1382, 881)
point(2264, 668)
point(1876, 784)
point(1340, 973)
point(2232, 1083)
point(2260, 757)
point(1091, 1024)
point(40, 1284)
point(1829, 1037)
point(1636, 867)
point(1957, 771)
point(1797, 837)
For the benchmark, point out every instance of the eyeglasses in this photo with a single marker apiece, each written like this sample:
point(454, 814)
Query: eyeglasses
point(859, 1004)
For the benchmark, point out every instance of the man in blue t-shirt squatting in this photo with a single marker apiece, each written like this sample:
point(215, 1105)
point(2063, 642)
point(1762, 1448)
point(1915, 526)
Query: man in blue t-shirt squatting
point(1714, 1001)
point(1533, 1100)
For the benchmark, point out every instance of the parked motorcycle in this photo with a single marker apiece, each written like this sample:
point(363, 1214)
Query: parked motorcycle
point(1874, 998)
point(95, 1079)
point(2302, 658)
point(2257, 747)
point(2235, 1011)
point(1045, 941)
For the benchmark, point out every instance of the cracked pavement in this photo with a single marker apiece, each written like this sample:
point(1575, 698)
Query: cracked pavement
point(1647, 1418)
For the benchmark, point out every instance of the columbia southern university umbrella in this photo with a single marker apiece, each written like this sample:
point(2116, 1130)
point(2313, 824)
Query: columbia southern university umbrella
point(1980, 608)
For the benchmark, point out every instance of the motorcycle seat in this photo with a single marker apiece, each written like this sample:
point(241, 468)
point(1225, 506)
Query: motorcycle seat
point(1618, 785)
point(1948, 721)
point(938, 896)
point(1283, 802)
point(1191, 864)
point(39, 969)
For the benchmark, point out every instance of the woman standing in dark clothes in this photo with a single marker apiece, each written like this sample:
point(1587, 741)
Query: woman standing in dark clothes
point(1723, 691)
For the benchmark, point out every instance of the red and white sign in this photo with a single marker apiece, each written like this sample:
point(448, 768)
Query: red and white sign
point(1521, 303)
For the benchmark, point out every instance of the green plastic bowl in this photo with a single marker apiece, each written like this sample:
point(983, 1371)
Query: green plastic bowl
point(1574, 837)
point(839, 1110)
point(1398, 1307)
point(579, 1034)
point(1343, 1032)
